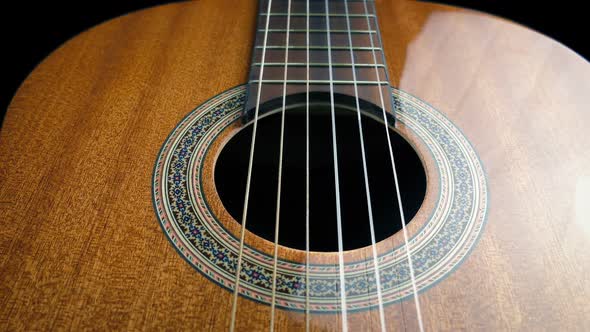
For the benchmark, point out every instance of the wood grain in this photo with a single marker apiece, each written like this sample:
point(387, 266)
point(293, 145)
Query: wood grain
point(81, 246)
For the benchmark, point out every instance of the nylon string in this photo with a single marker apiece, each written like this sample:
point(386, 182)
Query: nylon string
point(279, 180)
point(307, 314)
point(249, 177)
point(399, 201)
point(336, 180)
point(366, 175)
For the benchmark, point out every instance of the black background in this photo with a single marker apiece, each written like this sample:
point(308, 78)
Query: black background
point(30, 30)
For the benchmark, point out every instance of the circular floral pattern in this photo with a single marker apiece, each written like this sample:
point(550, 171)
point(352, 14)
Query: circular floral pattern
point(438, 248)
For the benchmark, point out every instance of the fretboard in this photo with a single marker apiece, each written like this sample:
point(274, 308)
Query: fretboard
point(331, 31)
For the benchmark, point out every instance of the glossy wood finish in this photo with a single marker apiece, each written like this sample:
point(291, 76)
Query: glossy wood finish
point(81, 246)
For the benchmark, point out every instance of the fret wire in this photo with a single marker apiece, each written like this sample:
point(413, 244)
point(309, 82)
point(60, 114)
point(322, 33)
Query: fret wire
point(320, 31)
point(340, 82)
point(317, 73)
point(263, 3)
point(300, 2)
point(356, 48)
point(317, 14)
point(318, 64)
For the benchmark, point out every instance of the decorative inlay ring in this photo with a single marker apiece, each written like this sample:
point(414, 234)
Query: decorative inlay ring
point(437, 249)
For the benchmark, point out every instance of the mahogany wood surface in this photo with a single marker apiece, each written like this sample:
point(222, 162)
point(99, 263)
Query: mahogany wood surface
point(81, 247)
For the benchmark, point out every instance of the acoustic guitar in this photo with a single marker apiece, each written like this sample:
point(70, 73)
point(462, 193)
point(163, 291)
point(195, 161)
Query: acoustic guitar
point(345, 165)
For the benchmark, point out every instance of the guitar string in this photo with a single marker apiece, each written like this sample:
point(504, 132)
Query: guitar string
point(342, 293)
point(249, 177)
point(307, 316)
point(336, 179)
point(366, 174)
point(279, 179)
point(401, 211)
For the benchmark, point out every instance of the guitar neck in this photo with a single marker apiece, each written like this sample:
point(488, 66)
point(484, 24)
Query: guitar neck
point(330, 48)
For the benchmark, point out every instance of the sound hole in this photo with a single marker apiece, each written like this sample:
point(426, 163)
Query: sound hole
point(232, 165)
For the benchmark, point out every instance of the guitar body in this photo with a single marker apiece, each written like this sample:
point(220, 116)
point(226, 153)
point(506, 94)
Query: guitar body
point(81, 246)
